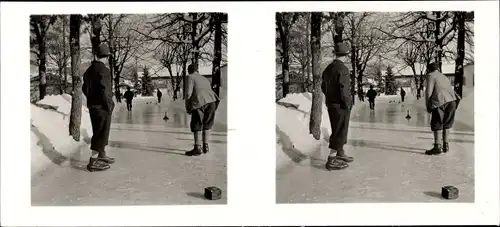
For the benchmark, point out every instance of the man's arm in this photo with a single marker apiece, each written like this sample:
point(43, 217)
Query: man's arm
point(105, 83)
point(189, 92)
point(345, 90)
point(429, 88)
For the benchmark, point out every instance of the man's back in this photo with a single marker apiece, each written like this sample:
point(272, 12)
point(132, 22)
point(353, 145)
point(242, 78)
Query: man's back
point(439, 89)
point(128, 95)
point(371, 94)
point(97, 84)
point(336, 84)
point(200, 91)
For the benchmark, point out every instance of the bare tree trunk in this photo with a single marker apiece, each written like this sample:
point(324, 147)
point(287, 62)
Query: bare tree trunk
point(285, 67)
point(308, 53)
point(184, 79)
point(317, 101)
point(217, 53)
point(459, 63)
point(196, 48)
point(76, 101)
point(43, 62)
point(65, 56)
point(439, 42)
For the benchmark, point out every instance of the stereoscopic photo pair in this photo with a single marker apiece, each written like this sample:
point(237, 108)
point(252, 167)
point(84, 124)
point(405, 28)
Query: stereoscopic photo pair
point(370, 107)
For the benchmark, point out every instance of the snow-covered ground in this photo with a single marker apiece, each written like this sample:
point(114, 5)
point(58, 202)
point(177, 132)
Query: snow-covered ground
point(292, 125)
point(50, 139)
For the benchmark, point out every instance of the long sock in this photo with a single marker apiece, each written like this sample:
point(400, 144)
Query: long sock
point(206, 136)
point(94, 154)
point(437, 137)
point(197, 138)
point(333, 152)
point(446, 132)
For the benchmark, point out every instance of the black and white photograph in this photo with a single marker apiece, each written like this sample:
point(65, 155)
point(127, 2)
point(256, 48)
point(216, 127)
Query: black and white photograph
point(375, 107)
point(128, 109)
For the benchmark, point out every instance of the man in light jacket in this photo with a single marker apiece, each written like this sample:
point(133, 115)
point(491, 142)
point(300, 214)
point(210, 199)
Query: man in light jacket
point(442, 102)
point(201, 103)
point(336, 86)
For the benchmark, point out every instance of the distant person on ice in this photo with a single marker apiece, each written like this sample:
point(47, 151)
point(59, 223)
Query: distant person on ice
point(129, 95)
point(371, 94)
point(442, 102)
point(201, 104)
point(339, 101)
point(97, 88)
point(403, 93)
point(158, 93)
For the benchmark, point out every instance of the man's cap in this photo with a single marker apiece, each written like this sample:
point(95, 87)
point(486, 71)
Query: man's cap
point(341, 49)
point(102, 50)
point(433, 67)
point(192, 68)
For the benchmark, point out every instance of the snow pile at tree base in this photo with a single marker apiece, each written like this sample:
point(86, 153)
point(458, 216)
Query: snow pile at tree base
point(50, 140)
point(292, 128)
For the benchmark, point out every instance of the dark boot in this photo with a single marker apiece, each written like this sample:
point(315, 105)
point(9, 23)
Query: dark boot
point(436, 150)
point(446, 147)
point(195, 151)
point(107, 159)
point(205, 148)
point(96, 165)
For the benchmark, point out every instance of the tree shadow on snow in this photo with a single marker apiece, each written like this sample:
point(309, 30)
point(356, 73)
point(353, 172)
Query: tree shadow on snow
point(288, 147)
point(211, 141)
point(144, 147)
point(48, 148)
point(382, 146)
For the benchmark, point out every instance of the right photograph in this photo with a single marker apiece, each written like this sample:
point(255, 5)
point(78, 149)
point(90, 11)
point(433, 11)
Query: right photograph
point(374, 107)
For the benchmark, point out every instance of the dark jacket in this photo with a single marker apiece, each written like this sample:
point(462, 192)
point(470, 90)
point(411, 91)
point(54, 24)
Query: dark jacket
point(158, 93)
point(97, 86)
point(371, 94)
point(336, 85)
point(129, 95)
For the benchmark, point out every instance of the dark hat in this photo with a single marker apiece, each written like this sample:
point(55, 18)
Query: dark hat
point(432, 67)
point(192, 68)
point(341, 49)
point(102, 50)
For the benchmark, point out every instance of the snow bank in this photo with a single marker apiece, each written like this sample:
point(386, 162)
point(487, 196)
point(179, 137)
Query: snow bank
point(292, 126)
point(50, 139)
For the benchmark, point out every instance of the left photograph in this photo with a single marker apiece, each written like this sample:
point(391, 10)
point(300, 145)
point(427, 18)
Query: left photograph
point(128, 109)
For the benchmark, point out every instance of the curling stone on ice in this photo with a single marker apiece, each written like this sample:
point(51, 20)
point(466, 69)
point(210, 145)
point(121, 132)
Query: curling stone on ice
point(166, 117)
point(449, 192)
point(213, 193)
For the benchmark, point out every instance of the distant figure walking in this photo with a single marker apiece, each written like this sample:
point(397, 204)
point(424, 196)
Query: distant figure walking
point(336, 86)
point(97, 88)
point(201, 104)
point(442, 102)
point(371, 94)
point(403, 93)
point(159, 94)
point(129, 95)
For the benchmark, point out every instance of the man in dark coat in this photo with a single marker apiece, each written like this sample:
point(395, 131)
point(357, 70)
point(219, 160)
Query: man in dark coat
point(336, 86)
point(371, 94)
point(129, 95)
point(403, 93)
point(159, 94)
point(97, 87)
